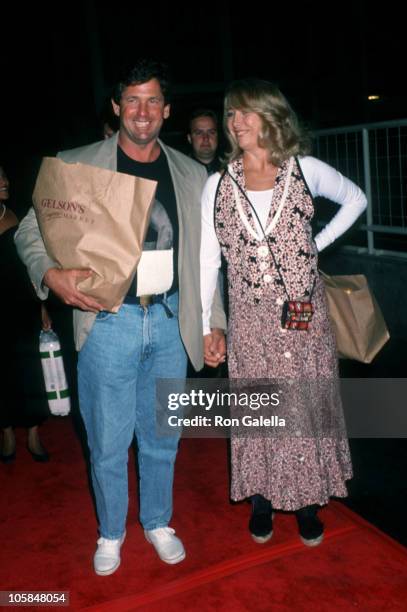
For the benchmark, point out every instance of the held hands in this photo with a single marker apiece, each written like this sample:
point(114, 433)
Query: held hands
point(63, 284)
point(214, 348)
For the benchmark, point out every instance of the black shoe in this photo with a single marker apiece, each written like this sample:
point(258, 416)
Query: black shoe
point(8, 458)
point(40, 457)
point(261, 521)
point(310, 527)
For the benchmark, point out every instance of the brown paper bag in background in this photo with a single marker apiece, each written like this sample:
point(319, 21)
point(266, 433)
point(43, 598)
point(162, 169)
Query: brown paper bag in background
point(358, 323)
point(94, 218)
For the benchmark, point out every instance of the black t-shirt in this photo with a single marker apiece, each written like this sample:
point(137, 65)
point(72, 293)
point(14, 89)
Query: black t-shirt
point(163, 231)
point(212, 167)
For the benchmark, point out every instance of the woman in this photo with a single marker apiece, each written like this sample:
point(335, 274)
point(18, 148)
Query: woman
point(20, 316)
point(257, 213)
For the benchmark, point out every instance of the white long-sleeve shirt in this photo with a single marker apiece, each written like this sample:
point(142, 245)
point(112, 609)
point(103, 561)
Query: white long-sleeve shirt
point(322, 180)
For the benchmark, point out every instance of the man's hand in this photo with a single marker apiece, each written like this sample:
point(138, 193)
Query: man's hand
point(63, 284)
point(214, 348)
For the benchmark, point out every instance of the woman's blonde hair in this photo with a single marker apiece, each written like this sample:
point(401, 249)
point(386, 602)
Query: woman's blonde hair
point(281, 134)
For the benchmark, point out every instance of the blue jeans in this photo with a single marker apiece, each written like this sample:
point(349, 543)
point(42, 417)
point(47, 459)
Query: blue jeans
point(117, 370)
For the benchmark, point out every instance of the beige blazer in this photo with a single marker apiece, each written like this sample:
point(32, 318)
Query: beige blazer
point(188, 178)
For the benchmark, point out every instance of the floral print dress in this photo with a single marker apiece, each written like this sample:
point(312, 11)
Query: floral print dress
point(310, 461)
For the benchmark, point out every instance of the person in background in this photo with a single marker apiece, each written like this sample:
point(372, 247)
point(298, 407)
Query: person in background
point(108, 131)
point(108, 120)
point(122, 355)
point(20, 315)
point(257, 212)
point(203, 138)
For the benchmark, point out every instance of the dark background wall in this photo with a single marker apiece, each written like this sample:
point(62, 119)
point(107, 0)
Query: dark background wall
point(58, 61)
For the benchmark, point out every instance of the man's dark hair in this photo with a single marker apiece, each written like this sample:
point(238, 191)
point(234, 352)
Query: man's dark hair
point(202, 112)
point(142, 72)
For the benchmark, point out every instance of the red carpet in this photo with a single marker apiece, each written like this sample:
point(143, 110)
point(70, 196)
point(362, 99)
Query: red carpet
point(48, 535)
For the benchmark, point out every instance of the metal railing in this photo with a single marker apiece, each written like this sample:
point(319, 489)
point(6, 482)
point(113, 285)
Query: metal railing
point(374, 156)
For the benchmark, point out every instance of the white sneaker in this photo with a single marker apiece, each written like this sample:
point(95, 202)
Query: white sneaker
point(107, 555)
point(169, 548)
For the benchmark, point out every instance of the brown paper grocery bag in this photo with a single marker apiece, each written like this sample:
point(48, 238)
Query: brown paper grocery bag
point(94, 218)
point(358, 323)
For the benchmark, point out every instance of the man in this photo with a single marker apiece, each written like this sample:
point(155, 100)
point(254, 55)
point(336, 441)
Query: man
point(122, 355)
point(203, 138)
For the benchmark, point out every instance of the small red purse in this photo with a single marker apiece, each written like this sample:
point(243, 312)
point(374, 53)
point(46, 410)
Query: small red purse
point(296, 315)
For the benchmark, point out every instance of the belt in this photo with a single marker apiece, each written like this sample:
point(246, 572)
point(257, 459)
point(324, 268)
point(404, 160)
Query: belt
point(148, 300)
point(144, 300)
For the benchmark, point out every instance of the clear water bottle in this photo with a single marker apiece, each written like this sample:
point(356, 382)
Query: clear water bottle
point(53, 369)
